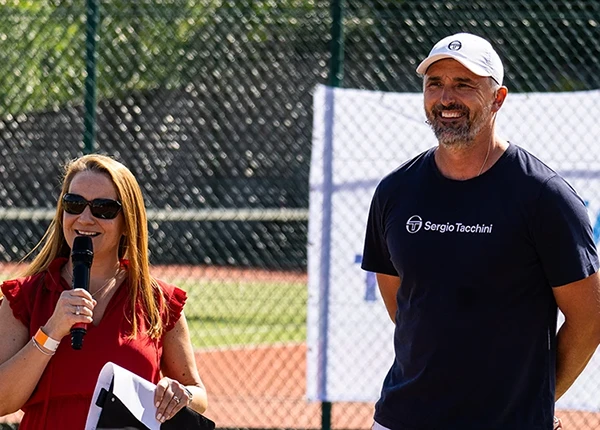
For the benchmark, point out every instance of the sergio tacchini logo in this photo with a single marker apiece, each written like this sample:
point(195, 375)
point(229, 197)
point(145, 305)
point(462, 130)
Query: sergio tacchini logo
point(414, 224)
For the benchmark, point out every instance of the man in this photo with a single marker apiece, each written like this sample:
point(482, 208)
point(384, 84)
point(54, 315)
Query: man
point(475, 242)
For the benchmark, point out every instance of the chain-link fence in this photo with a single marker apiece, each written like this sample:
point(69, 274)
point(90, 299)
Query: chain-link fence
point(210, 105)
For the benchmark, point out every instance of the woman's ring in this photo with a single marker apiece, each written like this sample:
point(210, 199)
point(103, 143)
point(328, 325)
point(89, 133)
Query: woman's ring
point(77, 311)
point(176, 399)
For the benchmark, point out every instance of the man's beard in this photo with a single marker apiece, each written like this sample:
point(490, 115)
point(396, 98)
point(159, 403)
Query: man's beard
point(461, 133)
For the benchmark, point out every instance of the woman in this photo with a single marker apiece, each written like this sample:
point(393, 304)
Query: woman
point(132, 319)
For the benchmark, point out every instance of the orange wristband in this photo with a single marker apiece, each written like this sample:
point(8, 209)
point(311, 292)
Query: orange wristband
point(46, 341)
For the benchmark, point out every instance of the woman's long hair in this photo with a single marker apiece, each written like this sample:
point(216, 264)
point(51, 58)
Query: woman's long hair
point(133, 245)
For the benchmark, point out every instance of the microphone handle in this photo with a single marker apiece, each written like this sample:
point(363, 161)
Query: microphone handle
point(81, 276)
point(77, 334)
point(81, 279)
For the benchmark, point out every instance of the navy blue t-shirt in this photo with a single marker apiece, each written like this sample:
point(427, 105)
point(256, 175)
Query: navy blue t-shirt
point(475, 329)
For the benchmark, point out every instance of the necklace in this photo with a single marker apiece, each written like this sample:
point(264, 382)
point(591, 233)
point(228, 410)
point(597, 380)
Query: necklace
point(109, 281)
point(486, 159)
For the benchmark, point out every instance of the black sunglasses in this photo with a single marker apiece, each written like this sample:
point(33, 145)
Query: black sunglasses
point(75, 204)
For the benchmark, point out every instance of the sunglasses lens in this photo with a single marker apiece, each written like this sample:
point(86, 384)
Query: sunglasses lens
point(73, 204)
point(105, 209)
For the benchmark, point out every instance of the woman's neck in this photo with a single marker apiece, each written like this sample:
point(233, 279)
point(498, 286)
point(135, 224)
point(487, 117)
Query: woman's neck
point(100, 272)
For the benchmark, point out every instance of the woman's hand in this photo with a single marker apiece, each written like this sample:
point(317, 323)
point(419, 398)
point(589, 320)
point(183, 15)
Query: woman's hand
point(73, 306)
point(170, 397)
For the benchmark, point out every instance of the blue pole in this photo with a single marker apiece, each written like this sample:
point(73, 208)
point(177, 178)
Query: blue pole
point(335, 80)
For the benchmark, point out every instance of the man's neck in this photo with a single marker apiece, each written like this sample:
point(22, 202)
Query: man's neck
point(466, 161)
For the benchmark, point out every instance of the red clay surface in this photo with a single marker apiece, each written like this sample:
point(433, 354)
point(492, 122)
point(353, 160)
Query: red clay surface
point(172, 272)
point(265, 387)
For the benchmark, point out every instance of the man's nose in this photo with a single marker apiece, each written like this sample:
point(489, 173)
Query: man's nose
point(447, 97)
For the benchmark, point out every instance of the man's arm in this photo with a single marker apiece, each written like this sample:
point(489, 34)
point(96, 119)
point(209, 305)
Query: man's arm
point(388, 286)
point(579, 336)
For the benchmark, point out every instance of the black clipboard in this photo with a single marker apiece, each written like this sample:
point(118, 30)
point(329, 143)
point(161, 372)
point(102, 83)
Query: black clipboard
point(115, 415)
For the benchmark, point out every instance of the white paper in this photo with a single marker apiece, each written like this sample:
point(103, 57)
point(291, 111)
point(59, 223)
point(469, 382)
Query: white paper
point(136, 393)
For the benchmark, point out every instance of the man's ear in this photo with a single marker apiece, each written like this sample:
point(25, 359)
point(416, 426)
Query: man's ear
point(499, 98)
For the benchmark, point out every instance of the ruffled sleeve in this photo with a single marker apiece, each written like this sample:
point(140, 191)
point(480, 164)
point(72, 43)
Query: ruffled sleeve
point(19, 300)
point(33, 298)
point(176, 299)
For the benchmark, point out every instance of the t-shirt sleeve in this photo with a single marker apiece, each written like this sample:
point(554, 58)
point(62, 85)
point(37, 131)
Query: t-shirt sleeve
point(376, 257)
point(563, 234)
point(19, 301)
point(176, 299)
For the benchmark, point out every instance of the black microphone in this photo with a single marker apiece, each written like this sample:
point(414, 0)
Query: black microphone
point(81, 257)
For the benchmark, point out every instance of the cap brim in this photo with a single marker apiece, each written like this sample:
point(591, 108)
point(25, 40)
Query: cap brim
point(422, 68)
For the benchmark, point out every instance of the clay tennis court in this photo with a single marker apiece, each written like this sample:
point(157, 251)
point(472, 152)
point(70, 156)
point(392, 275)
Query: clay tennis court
point(264, 386)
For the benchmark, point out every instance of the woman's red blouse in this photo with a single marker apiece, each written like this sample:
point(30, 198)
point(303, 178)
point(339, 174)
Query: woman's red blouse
point(62, 397)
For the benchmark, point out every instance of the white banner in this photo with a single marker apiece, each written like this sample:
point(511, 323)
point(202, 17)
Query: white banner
point(358, 138)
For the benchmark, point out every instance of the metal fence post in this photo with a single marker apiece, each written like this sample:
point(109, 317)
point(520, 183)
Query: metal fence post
point(337, 44)
point(326, 416)
point(89, 121)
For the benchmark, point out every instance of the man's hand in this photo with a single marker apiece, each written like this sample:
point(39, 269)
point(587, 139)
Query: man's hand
point(557, 424)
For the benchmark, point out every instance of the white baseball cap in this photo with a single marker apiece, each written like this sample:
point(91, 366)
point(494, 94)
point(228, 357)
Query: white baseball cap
point(473, 52)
